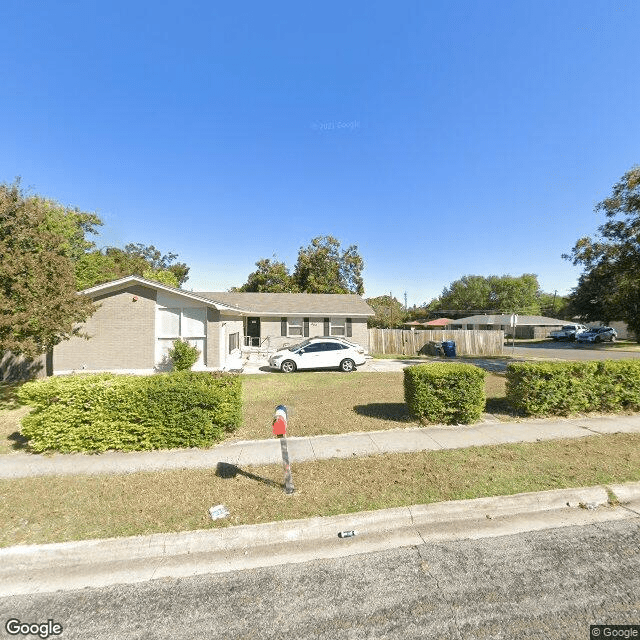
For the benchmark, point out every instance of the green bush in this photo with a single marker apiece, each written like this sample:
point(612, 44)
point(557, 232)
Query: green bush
point(130, 413)
point(183, 355)
point(445, 393)
point(563, 388)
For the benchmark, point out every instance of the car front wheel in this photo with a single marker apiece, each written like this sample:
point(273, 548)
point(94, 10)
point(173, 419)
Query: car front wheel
point(288, 366)
point(613, 338)
point(347, 365)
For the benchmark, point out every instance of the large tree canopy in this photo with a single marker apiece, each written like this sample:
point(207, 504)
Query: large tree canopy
point(111, 263)
point(503, 294)
point(271, 276)
point(322, 267)
point(609, 287)
point(389, 312)
point(39, 305)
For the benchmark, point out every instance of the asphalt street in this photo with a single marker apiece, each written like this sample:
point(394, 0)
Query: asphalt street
point(550, 584)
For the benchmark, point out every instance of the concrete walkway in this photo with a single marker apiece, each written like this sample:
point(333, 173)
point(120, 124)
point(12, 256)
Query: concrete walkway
point(256, 452)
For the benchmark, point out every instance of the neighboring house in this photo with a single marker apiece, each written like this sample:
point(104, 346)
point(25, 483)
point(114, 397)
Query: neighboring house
point(439, 323)
point(138, 320)
point(527, 326)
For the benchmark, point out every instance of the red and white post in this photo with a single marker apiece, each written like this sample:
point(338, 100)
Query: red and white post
point(280, 430)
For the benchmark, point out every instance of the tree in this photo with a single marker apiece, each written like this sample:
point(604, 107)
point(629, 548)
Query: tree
point(609, 287)
point(322, 267)
point(554, 306)
point(502, 294)
point(39, 305)
point(158, 262)
point(271, 276)
point(111, 263)
point(389, 312)
point(161, 275)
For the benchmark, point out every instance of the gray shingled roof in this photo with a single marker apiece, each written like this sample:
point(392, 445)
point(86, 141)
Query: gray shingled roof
point(284, 304)
point(505, 318)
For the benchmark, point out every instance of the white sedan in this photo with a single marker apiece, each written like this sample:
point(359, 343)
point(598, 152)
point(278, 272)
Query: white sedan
point(319, 353)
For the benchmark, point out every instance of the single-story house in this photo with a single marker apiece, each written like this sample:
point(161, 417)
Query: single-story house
point(438, 323)
point(137, 321)
point(526, 327)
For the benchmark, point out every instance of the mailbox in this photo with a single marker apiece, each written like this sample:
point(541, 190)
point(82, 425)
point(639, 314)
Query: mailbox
point(280, 421)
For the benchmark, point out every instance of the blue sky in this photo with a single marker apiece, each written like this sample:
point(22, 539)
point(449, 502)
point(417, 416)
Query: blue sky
point(443, 138)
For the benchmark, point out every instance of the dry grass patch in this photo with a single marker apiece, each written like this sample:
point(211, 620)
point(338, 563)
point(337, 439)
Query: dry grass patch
point(11, 411)
point(320, 403)
point(38, 510)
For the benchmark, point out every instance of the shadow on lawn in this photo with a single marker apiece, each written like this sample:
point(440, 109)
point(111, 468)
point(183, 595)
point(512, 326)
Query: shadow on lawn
point(9, 395)
point(394, 411)
point(18, 441)
point(226, 470)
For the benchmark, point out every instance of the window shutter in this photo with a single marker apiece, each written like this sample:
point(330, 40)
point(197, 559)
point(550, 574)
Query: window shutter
point(349, 328)
point(283, 327)
point(326, 326)
point(305, 330)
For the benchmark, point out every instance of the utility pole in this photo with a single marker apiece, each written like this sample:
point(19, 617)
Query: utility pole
point(405, 302)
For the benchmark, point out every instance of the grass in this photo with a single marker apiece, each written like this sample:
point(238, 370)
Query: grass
point(318, 403)
point(11, 411)
point(55, 509)
point(321, 403)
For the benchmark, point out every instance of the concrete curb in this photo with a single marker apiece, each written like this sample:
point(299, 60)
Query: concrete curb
point(96, 563)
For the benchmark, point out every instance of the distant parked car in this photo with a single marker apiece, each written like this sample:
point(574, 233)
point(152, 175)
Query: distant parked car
point(568, 332)
point(319, 353)
point(600, 334)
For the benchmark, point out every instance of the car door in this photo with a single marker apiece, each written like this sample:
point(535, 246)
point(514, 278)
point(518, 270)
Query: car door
point(311, 356)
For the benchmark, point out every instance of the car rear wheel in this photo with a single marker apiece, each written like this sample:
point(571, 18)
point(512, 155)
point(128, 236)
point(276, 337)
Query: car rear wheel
point(288, 366)
point(347, 365)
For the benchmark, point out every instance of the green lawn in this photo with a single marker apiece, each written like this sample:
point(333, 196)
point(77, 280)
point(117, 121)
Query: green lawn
point(55, 509)
point(318, 403)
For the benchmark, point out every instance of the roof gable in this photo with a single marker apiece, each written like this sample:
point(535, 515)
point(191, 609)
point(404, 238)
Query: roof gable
point(115, 285)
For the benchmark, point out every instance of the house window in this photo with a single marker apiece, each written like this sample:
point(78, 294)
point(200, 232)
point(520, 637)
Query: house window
point(188, 323)
point(338, 327)
point(295, 327)
point(234, 342)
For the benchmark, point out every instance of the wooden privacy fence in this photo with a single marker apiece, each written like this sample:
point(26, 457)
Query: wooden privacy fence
point(410, 343)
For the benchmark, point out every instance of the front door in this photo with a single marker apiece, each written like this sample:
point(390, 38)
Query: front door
point(253, 332)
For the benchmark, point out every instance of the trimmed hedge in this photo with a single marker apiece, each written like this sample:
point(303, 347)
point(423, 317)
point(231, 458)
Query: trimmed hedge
point(445, 393)
point(563, 388)
point(131, 413)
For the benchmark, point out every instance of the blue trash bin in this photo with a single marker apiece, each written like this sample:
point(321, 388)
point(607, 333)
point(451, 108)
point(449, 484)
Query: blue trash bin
point(449, 348)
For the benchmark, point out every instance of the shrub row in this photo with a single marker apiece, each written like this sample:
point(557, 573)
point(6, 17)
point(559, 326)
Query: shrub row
point(445, 393)
point(562, 388)
point(130, 413)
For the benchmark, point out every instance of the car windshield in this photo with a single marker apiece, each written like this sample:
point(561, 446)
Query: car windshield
point(299, 345)
point(569, 327)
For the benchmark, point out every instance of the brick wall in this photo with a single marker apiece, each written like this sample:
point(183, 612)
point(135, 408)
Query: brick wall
point(122, 334)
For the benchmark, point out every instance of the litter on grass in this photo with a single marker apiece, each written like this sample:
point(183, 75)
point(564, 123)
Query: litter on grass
point(218, 512)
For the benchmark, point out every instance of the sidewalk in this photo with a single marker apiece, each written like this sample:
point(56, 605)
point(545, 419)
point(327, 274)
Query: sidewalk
point(257, 452)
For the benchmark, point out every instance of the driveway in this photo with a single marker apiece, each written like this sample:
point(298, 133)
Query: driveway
point(523, 351)
point(390, 364)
